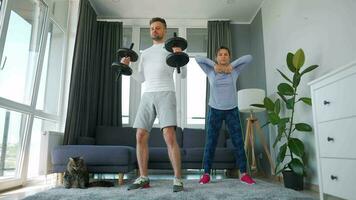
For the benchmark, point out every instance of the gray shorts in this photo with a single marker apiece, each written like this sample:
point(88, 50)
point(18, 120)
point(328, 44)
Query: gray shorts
point(160, 104)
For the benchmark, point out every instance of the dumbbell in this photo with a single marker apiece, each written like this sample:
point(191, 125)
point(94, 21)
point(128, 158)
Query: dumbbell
point(178, 59)
point(121, 68)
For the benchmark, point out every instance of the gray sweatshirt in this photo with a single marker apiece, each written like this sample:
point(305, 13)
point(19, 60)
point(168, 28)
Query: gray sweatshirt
point(223, 86)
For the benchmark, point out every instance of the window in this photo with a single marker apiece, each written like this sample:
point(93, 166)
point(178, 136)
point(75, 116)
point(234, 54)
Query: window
point(125, 92)
point(196, 79)
point(32, 52)
point(52, 68)
point(196, 92)
point(20, 45)
point(11, 134)
point(127, 37)
point(39, 127)
point(59, 10)
point(197, 39)
point(20, 53)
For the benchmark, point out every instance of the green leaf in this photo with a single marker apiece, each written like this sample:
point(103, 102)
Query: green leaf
point(273, 118)
point(282, 153)
point(297, 166)
point(303, 127)
point(284, 76)
point(285, 89)
point(283, 97)
point(277, 106)
point(296, 146)
point(258, 105)
point(290, 62)
point(298, 59)
point(285, 120)
point(310, 68)
point(306, 100)
point(268, 104)
point(296, 79)
point(290, 103)
point(281, 129)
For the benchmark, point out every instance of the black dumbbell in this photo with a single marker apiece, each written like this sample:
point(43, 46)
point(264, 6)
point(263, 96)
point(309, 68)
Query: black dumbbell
point(178, 59)
point(121, 68)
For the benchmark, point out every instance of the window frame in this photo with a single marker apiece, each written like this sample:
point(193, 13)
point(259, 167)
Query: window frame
point(30, 110)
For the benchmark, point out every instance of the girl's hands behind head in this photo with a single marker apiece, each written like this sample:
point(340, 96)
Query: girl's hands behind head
point(228, 69)
point(223, 69)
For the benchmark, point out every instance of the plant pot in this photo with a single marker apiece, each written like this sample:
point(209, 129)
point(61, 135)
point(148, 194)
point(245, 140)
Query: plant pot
point(292, 180)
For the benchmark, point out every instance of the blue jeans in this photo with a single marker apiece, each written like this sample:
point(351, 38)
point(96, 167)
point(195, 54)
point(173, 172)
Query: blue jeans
point(232, 119)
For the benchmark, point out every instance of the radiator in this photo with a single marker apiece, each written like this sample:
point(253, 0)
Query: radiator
point(49, 140)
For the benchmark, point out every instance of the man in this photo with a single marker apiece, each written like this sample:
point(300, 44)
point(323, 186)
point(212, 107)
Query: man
point(159, 100)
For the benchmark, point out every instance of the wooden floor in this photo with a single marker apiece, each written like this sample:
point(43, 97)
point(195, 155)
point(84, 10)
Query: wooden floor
point(44, 183)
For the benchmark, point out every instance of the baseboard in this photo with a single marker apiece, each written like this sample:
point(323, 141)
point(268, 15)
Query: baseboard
point(312, 187)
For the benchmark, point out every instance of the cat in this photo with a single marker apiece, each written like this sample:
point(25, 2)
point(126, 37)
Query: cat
point(77, 175)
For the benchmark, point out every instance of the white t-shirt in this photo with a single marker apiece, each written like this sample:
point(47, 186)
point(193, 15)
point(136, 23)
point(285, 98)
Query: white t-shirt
point(153, 71)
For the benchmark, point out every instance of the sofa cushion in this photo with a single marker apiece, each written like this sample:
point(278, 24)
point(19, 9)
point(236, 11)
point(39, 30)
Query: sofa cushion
point(197, 155)
point(193, 138)
point(95, 154)
point(157, 140)
point(159, 154)
point(111, 135)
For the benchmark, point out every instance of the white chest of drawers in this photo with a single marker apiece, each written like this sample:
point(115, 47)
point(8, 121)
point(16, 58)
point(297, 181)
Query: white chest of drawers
point(334, 112)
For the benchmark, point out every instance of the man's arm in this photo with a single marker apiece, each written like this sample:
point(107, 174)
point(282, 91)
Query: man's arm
point(205, 64)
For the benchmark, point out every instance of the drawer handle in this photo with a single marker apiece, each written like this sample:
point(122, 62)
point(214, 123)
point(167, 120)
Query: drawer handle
point(330, 139)
point(333, 177)
point(326, 102)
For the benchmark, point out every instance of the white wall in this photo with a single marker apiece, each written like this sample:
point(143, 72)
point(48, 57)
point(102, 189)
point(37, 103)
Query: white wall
point(325, 29)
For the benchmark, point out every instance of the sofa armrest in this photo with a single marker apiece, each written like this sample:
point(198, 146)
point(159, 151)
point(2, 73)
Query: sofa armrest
point(86, 141)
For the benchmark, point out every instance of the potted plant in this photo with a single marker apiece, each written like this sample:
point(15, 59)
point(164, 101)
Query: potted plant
point(293, 169)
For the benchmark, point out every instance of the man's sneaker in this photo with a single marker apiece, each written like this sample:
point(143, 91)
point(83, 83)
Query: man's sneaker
point(177, 185)
point(205, 179)
point(247, 179)
point(140, 182)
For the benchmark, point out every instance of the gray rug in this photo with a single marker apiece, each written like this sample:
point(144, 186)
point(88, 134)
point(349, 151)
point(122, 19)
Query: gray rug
point(162, 189)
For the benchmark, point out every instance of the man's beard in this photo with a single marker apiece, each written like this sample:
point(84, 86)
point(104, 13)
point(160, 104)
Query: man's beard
point(157, 38)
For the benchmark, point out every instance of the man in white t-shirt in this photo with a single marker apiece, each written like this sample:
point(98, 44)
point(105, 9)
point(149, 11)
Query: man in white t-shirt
point(159, 100)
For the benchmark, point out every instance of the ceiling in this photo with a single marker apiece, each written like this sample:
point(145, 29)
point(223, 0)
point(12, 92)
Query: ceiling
point(242, 11)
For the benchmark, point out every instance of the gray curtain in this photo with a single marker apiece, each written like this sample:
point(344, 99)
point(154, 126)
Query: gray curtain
point(219, 34)
point(94, 95)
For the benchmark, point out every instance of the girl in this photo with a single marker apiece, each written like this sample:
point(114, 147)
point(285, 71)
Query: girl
point(223, 106)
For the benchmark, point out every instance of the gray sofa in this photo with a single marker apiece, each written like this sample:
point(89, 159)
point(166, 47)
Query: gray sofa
point(113, 151)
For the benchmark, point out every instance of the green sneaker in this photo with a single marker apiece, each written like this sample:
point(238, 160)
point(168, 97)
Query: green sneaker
point(177, 185)
point(140, 182)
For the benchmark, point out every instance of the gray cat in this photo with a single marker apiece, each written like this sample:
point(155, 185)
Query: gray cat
point(77, 175)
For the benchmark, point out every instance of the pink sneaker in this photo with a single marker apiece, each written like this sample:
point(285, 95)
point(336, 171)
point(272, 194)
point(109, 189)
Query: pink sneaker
point(205, 179)
point(247, 179)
